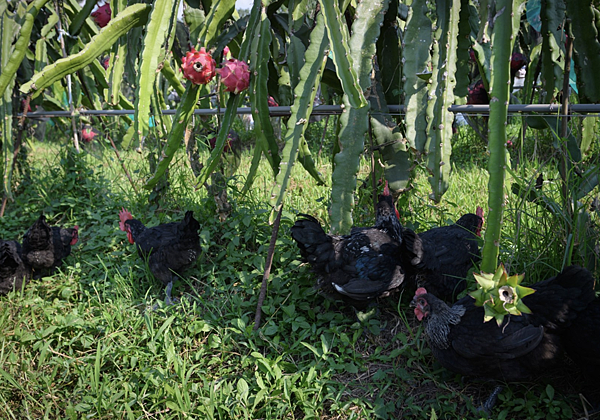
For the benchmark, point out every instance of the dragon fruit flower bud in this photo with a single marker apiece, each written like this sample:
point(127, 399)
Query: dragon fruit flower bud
point(198, 66)
point(235, 75)
point(102, 15)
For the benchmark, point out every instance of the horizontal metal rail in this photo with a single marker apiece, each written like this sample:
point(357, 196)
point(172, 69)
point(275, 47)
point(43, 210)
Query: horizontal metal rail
point(282, 111)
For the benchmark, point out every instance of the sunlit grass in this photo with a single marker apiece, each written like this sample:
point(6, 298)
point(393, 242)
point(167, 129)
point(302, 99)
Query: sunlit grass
point(84, 344)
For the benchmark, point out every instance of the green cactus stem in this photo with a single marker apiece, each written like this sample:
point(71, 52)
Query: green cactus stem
point(587, 47)
point(339, 38)
point(417, 61)
point(439, 132)
point(213, 24)
point(552, 15)
point(392, 147)
point(259, 94)
point(78, 21)
point(355, 117)
point(158, 26)
point(182, 118)
point(169, 73)
point(116, 61)
point(462, 53)
point(301, 109)
point(134, 15)
point(10, 68)
point(505, 27)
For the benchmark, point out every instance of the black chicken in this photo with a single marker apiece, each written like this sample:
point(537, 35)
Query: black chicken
point(358, 267)
point(45, 246)
point(523, 346)
point(582, 343)
point(440, 258)
point(169, 248)
point(13, 271)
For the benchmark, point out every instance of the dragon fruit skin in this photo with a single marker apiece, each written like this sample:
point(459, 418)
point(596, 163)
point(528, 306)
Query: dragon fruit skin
point(235, 75)
point(88, 134)
point(102, 15)
point(198, 66)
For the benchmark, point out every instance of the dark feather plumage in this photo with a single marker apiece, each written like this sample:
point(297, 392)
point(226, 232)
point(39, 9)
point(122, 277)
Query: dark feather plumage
point(522, 346)
point(440, 258)
point(582, 343)
point(358, 267)
point(13, 271)
point(169, 248)
point(45, 246)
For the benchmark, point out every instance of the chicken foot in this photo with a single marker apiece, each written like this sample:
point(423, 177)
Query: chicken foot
point(489, 404)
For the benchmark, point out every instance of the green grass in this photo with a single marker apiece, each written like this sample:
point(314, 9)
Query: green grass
point(84, 344)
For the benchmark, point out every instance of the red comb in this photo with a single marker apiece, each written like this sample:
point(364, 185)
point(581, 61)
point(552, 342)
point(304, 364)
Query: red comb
point(386, 189)
point(479, 211)
point(123, 216)
point(420, 291)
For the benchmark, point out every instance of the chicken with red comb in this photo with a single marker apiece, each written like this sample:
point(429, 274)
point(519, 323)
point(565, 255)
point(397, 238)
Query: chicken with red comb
point(169, 248)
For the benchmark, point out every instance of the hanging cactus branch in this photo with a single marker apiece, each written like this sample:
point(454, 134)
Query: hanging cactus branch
point(152, 51)
point(417, 61)
point(182, 118)
point(355, 117)
point(20, 48)
point(441, 90)
point(301, 110)
point(134, 15)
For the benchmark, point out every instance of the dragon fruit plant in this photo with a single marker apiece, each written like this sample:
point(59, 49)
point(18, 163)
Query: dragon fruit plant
point(198, 66)
point(235, 75)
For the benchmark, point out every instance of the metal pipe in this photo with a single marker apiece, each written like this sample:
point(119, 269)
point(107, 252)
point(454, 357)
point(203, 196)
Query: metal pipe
point(282, 111)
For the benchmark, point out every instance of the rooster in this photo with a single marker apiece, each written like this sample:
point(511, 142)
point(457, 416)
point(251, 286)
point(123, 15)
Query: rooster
point(358, 267)
point(523, 346)
point(440, 258)
point(13, 271)
point(168, 248)
point(45, 246)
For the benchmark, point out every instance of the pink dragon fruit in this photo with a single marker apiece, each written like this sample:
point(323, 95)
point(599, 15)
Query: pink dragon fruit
point(198, 66)
point(272, 102)
point(88, 134)
point(102, 15)
point(235, 75)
